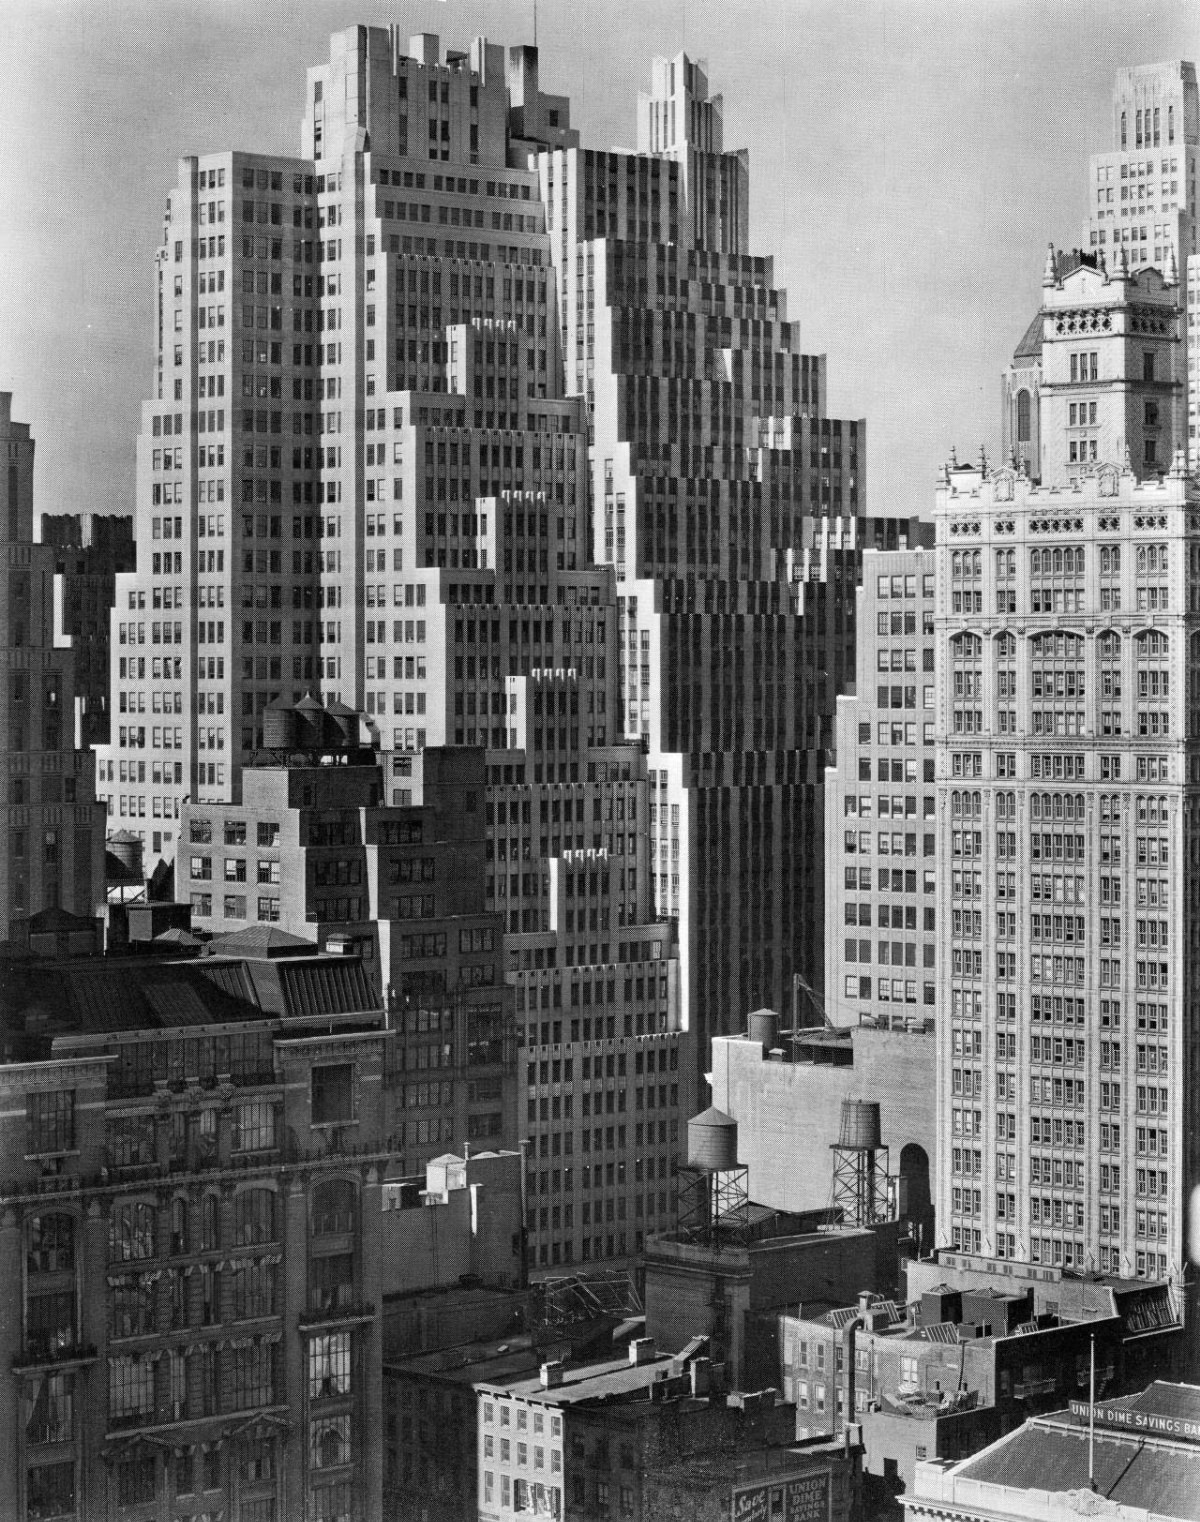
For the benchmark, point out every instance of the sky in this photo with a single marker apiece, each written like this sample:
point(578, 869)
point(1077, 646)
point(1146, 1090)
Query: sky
point(909, 162)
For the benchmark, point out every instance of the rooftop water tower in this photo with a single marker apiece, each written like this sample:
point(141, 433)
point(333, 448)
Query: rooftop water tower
point(713, 1195)
point(860, 1166)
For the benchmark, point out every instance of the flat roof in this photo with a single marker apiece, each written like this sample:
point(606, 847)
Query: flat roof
point(592, 1381)
point(470, 1362)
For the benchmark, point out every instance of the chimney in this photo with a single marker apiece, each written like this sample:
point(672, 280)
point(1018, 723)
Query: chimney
point(701, 1375)
point(641, 1350)
point(552, 1374)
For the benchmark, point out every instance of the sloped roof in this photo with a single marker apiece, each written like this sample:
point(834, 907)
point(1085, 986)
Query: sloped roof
point(1161, 1479)
point(1030, 346)
point(262, 941)
point(39, 1001)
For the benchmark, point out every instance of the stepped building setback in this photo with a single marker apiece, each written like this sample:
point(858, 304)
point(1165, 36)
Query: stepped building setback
point(509, 444)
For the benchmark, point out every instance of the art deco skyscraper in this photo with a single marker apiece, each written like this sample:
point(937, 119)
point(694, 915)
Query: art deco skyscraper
point(729, 504)
point(411, 389)
point(1067, 662)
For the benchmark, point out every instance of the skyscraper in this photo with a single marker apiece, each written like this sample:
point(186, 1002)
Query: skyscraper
point(54, 834)
point(880, 803)
point(1142, 194)
point(729, 504)
point(509, 444)
point(1066, 675)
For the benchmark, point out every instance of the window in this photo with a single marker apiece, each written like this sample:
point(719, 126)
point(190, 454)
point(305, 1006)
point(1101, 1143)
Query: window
point(331, 1502)
point(131, 1231)
point(130, 1389)
point(329, 1442)
point(332, 1093)
point(135, 1480)
point(254, 1290)
point(253, 1125)
point(51, 1245)
point(50, 1490)
point(51, 1121)
point(254, 1216)
point(329, 1365)
point(252, 1381)
point(49, 1408)
point(333, 1208)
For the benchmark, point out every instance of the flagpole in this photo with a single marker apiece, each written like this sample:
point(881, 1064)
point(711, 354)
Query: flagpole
point(1092, 1417)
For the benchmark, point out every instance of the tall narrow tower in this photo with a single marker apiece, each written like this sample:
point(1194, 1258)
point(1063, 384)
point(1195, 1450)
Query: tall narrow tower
point(1142, 195)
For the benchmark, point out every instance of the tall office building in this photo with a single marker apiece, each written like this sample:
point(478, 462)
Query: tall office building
point(221, 611)
point(1142, 196)
point(53, 846)
point(361, 473)
point(625, 570)
point(729, 504)
point(1066, 720)
point(880, 803)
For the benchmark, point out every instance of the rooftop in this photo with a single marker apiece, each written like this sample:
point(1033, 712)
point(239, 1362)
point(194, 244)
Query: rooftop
point(1138, 1469)
point(590, 1382)
point(40, 1001)
point(497, 1360)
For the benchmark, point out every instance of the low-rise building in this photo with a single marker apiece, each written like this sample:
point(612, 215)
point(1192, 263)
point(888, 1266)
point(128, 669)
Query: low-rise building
point(722, 1288)
point(647, 1438)
point(1135, 1458)
point(313, 848)
point(194, 1164)
point(785, 1089)
point(956, 1368)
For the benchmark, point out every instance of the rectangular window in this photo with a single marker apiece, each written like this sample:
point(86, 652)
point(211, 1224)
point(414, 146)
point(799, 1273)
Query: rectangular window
point(329, 1365)
point(332, 1093)
point(51, 1121)
point(51, 1490)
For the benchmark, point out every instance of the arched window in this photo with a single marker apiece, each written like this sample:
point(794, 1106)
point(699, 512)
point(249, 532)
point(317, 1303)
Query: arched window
point(1156, 137)
point(1124, 132)
point(1170, 124)
point(1022, 416)
point(330, 1442)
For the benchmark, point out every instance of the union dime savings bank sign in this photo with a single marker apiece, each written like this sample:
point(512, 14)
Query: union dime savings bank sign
point(805, 1498)
point(1142, 1423)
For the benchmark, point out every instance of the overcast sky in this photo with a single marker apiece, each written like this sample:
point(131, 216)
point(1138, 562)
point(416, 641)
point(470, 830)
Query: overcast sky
point(909, 160)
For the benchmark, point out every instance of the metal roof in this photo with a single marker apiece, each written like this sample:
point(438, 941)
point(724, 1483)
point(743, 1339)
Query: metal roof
point(1160, 1478)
